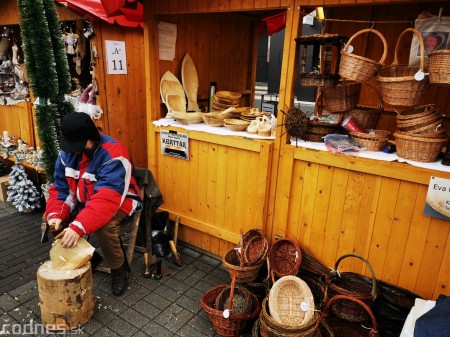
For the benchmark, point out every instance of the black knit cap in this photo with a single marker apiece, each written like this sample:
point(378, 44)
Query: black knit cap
point(76, 129)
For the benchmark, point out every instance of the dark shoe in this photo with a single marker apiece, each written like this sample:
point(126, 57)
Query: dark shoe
point(119, 278)
point(95, 260)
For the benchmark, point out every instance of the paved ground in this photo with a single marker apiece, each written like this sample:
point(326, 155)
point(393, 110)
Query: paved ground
point(165, 308)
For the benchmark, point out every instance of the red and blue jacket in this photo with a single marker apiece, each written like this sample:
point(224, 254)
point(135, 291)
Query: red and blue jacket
point(99, 181)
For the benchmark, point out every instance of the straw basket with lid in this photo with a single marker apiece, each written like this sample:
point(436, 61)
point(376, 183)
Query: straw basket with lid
point(402, 85)
point(351, 285)
point(358, 68)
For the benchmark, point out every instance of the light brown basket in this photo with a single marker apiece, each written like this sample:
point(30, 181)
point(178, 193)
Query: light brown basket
point(422, 149)
point(358, 68)
point(416, 112)
point(375, 141)
point(398, 86)
point(342, 97)
point(439, 66)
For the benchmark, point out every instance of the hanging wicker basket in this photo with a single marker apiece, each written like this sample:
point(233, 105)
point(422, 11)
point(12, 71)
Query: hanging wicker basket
point(439, 66)
point(343, 328)
point(352, 285)
point(340, 98)
point(358, 68)
point(398, 84)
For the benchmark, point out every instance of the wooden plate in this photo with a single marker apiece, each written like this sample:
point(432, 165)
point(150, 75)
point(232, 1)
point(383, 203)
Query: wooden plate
point(170, 85)
point(190, 82)
point(230, 95)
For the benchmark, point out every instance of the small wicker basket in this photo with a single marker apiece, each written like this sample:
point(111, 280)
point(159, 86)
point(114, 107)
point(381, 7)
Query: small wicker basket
point(285, 257)
point(233, 263)
point(358, 68)
point(374, 141)
point(439, 66)
point(417, 148)
point(342, 97)
point(255, 247)
point(398, 85)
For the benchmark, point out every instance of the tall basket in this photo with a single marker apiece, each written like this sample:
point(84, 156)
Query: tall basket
point(358, 68)
point(398, 84)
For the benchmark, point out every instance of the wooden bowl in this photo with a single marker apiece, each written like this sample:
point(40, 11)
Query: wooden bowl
point(236, 124)
point(228, 95)
point(187, 118)
point(212, 120)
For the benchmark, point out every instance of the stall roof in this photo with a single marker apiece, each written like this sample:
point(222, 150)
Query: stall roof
point(128, 13)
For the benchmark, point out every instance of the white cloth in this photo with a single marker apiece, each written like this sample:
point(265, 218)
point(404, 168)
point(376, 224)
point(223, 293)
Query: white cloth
point(420, 308)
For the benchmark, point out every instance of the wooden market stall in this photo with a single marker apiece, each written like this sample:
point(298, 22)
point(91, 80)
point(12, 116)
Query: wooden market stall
point(335, 204)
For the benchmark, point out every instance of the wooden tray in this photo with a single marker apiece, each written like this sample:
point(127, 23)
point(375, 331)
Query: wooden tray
point(170, 85)
point(190, 82)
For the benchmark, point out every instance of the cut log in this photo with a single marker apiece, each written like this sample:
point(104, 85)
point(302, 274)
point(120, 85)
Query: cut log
point(66, 297)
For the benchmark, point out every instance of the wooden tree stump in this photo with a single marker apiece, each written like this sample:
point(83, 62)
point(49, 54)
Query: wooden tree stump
point(66, 296)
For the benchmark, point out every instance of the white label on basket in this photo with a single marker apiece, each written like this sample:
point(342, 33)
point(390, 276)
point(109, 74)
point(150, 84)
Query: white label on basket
point(304, 306)
point(419, 76)
point(350, 49)
point(226, 313)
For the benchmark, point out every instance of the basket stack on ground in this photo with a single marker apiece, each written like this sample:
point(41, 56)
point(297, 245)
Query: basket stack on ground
point(420, 136)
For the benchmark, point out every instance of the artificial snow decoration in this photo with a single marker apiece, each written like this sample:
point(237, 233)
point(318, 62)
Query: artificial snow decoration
point(22, 194)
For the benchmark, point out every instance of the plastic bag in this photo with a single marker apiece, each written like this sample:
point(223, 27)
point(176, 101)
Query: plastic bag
point(341, 144)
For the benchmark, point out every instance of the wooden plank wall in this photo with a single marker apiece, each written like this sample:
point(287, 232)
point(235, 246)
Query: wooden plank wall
point(17, 120)
point(335, 210)
point(221, 189)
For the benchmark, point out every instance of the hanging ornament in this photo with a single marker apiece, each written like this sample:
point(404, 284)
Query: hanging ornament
point(71, 41)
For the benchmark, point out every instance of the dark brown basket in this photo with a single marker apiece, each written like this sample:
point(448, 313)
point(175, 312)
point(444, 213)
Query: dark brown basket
point(233, 263)
point(255, 247)
point(241, 300)
point(358, 68)
point(352, 285)
point(235, 324)
point(343, 328)
point(285, 257)
point(397, 82)
point(318, 286)
point(342, 97)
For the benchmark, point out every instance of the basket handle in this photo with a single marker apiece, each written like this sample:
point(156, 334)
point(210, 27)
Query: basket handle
point(373, 333)
point(374, 280)
point(233, 283)
point(318, 107)
point(370, 30)
point(421, 45)
point(380, 101)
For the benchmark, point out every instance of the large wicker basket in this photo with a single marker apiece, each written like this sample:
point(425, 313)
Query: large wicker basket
point(418, 148)
point(353, 285)
point(358, 68)
point(439, 66)
point(398, 85)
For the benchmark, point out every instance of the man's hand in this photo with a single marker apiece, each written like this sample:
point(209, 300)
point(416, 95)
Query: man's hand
point(56, 222)
point(70, 238)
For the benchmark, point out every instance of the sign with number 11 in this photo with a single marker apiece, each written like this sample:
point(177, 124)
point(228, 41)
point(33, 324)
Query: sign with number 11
point(116, 57)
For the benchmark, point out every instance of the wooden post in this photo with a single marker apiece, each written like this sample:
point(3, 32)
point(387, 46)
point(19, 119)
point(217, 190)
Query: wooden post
point(66, 297)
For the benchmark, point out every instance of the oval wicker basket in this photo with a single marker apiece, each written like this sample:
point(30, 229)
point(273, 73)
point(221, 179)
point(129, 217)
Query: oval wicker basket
point(358, 68)
point(255, 247)
point(232, 263)
point(374, 141)
point(342, 328)
point(352, 284)
point(285, 257)
point(286, 298)
point(439, 66)
point(421, 149)
point(242, 301)
point(342, 97)
point(398, 85)
point(235, 324)
point(416, 112)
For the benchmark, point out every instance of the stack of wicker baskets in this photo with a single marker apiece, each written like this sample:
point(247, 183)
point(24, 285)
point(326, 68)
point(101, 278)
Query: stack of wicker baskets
point(420, 136)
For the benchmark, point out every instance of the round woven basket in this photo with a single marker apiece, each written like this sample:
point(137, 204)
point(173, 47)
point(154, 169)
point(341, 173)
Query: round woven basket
point(342, 328)
point(342, 97)
point(285, 257)
point(416, 112)
point(439, 66)
point(291, 301)
point(417, 148)
point(374, 141)
point(352, 284)
point(358, 68)
point(242, 301)
point(397, 82)
point(233, 263)
point(255, 247)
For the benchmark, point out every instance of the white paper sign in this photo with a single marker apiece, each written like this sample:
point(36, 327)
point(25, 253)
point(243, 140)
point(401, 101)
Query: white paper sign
point(175, 144)
point(438, 198)
point(116, 57)
point(167, 36)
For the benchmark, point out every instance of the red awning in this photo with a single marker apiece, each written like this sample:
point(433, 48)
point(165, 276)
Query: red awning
point(111, 11)
point(274, 24)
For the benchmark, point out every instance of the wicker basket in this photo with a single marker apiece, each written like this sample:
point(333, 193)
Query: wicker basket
point(416, 112)
point(351, 284)
point(342, 328)
point(232, 262)
point(242, 301)
point(373, 141)
point(285, 257)
point(255, 247)
point(318, 286)
point(286, 298)
point(398, 85)
point(233, 325)
point(358, 68)
point(417, 148)
point(439, 66)
point(270, 327)
point(342, 97)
